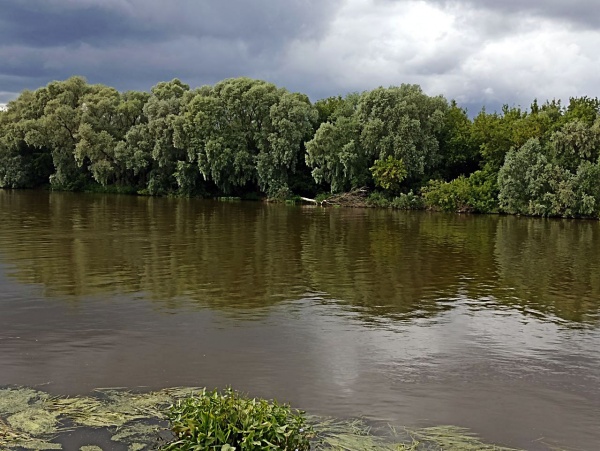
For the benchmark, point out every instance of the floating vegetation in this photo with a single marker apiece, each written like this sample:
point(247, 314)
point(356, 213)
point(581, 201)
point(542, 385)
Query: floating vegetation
point(23, 420)
point(352, 435)
point(356, 435)
point(451, 437)
point(114, 408)
point(13, 438)
point(13, 400)
point(34, 420)
point(135, 433)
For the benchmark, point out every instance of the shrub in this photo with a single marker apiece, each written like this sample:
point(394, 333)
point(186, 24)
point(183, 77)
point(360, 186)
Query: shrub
point(322, 197)
point(389, 173)
point(531, 182)
point(404, 201)
point(477, 193)
point(448, 196)
point(408, 201)
point(228, 421)
point(377, 199)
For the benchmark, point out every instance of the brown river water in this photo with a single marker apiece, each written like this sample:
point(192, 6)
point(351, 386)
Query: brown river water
point(408, 318)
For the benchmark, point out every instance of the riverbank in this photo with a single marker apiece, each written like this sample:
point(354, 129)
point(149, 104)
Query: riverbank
point(358, 198)
point(244, 137)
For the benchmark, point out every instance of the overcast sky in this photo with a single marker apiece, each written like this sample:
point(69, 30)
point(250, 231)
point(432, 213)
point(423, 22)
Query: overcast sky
point(479, 52)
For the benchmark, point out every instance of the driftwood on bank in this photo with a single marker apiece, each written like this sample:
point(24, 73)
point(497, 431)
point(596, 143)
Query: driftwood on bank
point(312, 201)
point(354, 198)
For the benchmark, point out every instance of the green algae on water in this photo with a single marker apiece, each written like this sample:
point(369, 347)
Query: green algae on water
point(356, 435)
point(452, 438)
point(24, 423)
point(13, 400)
point(11, 438)
point(31, 419)
point(35, 421)
point(137, 435)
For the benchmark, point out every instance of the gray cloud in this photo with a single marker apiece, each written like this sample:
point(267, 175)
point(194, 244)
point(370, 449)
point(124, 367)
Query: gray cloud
point(149, 39)
point(103, 22)
point(579, 12)
point(42, 25)
point(477, 51)
point(575, 12)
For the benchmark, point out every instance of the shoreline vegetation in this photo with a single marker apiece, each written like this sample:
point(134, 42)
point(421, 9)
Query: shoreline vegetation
point(393, 147)
point(192, 418)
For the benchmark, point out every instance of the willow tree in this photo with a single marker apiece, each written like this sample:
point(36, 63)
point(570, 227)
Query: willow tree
point(404, 123)
point(245, 133)
point(25, 148)
point(96, 135)
point(335, 153)
point(58, 127)
point(147, 148)
point(13, 169)
point(107, 116)
point(532, 181)
point(398, 122)
point(576, 141)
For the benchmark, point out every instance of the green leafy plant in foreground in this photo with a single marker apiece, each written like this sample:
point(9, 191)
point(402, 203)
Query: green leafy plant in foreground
point(229, 421)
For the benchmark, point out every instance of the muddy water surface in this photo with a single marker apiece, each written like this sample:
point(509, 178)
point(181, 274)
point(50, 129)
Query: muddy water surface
point(415, 319)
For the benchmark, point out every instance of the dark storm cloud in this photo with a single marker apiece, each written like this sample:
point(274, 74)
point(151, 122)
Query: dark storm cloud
point(62, 22)
point(132, 44)
point(44, 25)
point(477, 51)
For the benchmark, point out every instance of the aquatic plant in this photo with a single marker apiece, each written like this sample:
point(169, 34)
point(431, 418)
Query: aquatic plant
point(31, 419)
point(451, 438)
point(23, 420)
point(345, 435)
point(356, 435)
point(230, 421)
point(34, 420)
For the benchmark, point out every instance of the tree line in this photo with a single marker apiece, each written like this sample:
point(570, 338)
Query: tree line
point(249, 138)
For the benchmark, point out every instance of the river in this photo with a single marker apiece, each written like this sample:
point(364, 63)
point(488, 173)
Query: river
point(409, 318)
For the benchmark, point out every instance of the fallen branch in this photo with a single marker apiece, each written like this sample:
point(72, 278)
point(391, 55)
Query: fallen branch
point(306, 199)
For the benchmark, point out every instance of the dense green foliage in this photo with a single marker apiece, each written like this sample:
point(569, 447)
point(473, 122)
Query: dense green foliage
point(476, 193)
point(389, 173)
point(229, 421)
point(544, 161)
point(401, 123)
point(249, 138)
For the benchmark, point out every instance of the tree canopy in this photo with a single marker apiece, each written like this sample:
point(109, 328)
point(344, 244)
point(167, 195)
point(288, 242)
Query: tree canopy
point(250, 137)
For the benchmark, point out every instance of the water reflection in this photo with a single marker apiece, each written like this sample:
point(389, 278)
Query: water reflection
point(553, 266)
point(250, 255)
point(415, 319)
